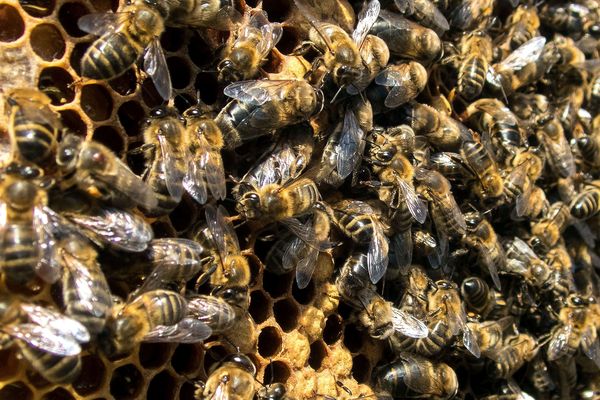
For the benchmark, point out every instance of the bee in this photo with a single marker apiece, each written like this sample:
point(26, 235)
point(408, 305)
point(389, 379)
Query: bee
point(154, 316)
point(523, 261)
point(518, 188)
point(245, 52)
point(424, 12)
point(445, 212)
point(261, 107)
point(205, 170)
point(516, 351)
point(522, 25)
point(214, 311)
point(396, 85)
point(94, 169)
point(407, 39)
point(576, 329)
point(549, 229)
point(489, 183)
point(586, 204)
point(539, 375)
point(482, 299)
point(452, 166)
point(33, 126)
point(86, 294)
point(559, 260)
point(412, 376)
point(482, 238)
point(440, 337)
point(342, 54)
point(231, 266)
point(568, 18)
point(358, 221)
point(490, 334)
point(558, 152)
point(48, 340)
point(377, 315)
point(417, 285)
point(471, 14)
point(500, 124)
point(273, 391)
point(232, 378)
point(123, 37)
point(219, 15)
point(475, 54)
point(589, 148)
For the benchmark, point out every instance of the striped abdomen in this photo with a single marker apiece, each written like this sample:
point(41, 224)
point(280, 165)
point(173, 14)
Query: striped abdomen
point(162, 307)
point(157, 182)
point(589, 149)
point(359, 227)
point(36, 140)
point(439, 338)
point(111, 55)
point(586, 204)
point(20, 254)
point(300, 197)
point(471, 76)
point(54, 368)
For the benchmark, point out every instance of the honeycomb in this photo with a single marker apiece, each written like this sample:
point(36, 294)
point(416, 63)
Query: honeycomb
point(297, 337)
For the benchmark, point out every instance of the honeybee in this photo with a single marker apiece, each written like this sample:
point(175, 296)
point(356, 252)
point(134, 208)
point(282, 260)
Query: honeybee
point(549, 229)
point(246, 51)
point(154, 316)
point(475, 56)
point(482, 299)
point(518, 188)
point(445, 301)
point(567, 17)
point(482, 237)
point(539, 375)
point(490, 334)
point(522, 25)
point(214, 311)
point(232, 378)
point(471, 14)
point(342, 54)
point(576, 328)
point(94, 169)
point(489, 184)
point(205, 170)
point(412, 376)
point(261, 107)
point(220, 15)
point(396, 85)
point(86, 294)
point(452, 166)
point(231, 266)
point(424, 12)
point(123, 36)
point(358, 220)
point(33, 126)
point(586, 204)
point(48, 340)
point(523, 261)
point(376, 314)
point(407, 39)
point(516, 351)
point(589, 148)
point(559, 260)
point(558, 152)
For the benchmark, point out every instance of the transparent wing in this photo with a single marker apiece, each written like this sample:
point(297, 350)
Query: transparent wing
point(271, 33)
point(349, 145)
point(306, 254)
point(57, 322)
point(408, 325)
point(215, 176)
point(377, 256)
point(366, 18)
point(194, 181)
point(403, 249)
point(188, 330)
point(155, 65)
point(561, 153)
point(470, 341)
point(416, 206)
point(100, 23)
point(524, 248)
point(44, 339)
point(213, 311)
point(47, 266)
point(492, 267)
point(527, 53)
point(406, 7)
point(256, 92)
point(559, 341)
point(115, 227)
point(590, 345)
point(304, 231)
point(220, 229)
point(173, 174)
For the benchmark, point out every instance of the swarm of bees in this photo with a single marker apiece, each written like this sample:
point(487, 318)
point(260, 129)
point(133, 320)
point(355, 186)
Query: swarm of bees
point(442, 156)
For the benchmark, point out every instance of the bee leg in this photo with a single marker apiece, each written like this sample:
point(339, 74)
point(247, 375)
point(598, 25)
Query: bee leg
point(77, 84)
point(304, 48)
point(205, 276)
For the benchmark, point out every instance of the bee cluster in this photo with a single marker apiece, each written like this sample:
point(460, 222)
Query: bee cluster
point(299, 199)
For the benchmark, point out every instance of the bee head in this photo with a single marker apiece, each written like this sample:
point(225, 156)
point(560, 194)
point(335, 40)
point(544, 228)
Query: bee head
point(249, 205)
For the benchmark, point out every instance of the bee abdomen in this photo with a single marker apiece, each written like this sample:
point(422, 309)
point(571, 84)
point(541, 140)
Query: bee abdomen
point(19, 254)
point(358, 227)
point(54, 368)
point(471, 77)
point(586, 205)
point(36, 141)
point(110, 56)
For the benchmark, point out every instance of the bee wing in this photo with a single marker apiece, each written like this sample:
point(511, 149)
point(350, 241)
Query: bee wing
point(349, 145)
point(366, 18)
point(561, 153)
point(527, 53)
point(100, 23)
point(524, 248)
point(463, 16)
point(408, 325)
point(559, 341)
point(437, 19)
point(377, 255)
point(118, 228)
point(439, 257)
point(502, 114)
point(590, 345)
point(173, 175)
point(47, 266)
point(470, 342)
point(586, 233)
point(209, 309)
point(57, 322)
point(304, 231)
point(402, 89)
point(492, 267)
point(306, 265)
point(188, 330)
point(44, 339)
point(194, 181)
point(253, 92)
point(592, 66)
point(156, 67)
point(306, 253)
point(522, 202)
point(271, 32)
point(403, 249)
point(406, 7)
point(217, 226)
point(416, 206)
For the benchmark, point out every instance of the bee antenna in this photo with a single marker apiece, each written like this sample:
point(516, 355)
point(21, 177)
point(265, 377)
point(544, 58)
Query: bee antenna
point(336, 94)
point(344, 387)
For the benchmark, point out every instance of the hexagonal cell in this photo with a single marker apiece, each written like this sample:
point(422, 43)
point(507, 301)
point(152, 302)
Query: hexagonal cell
point(306, 295)
point(124, 84)
point(278, 10)
point(286, 314)
point(333, 329)
point(200, 52)
point(173, 39)
point(110, 137)
point(73, 121)
point(12, 26)
point(212, 357)
point(318, 352)
point(277, 285)
point(38, 8)
point(187, 390)
point(277, 371)
point(77, 54)
point(56, 83)
point(290, 39)
point(208, 86)
point(16, 390)
point(162, 386)
point(186, 359)
point(47, 42)
point(96, 102)
point(154, 355)
point(93, 374)
point(150, 95)
point(180, 72)
point(58, 394)
point(260, 306)
point(184, 214)
point(131, 115)
point(10, 364)
point(353, 338)
point(269, 342)
point(184, 101)
point(126, 382)
point(361, 368)
point(69, 14)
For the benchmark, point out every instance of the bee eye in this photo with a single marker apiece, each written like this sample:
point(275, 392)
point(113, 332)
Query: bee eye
point(158, 112)
point(386, 155)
